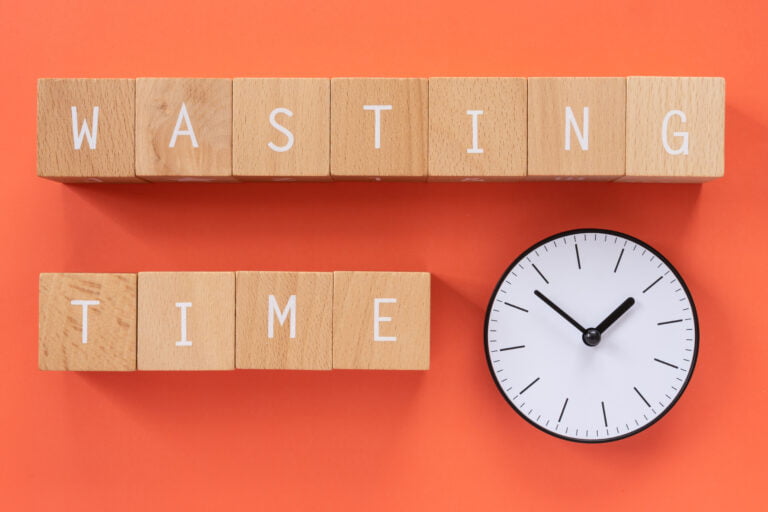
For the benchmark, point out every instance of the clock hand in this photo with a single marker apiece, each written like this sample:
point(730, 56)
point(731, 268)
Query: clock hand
point(610, 319)
point(559, 311)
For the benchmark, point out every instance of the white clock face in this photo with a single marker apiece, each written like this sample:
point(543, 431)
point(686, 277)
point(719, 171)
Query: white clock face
point(591, 335)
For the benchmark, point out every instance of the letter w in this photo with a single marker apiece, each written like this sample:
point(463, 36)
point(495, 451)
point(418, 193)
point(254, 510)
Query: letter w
point(85, 131)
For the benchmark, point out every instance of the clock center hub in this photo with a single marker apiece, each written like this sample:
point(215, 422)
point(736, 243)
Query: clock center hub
point(591, 337)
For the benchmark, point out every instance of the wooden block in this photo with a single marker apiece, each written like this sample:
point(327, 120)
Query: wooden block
point(381, 320)
point(186, 321)
point(398, 149)
point(675, 129)
point(184, 129)
point(85, 130)
point(478, 129)
point(281, 128)
point(576, 128)
point(284, 320)
point(87, 322)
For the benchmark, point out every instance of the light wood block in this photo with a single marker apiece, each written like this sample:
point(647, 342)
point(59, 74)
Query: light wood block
point(85, 130)
point(478, 129)
point(675, 129)
point(281, 128)
point(400, 150)
point(381, 320)
point(184, 129)
point(561, 144)
point(87, 322)
point(186, 321)
point(284, 320)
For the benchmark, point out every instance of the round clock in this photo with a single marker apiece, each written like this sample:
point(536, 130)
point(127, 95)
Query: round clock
point(591, 335)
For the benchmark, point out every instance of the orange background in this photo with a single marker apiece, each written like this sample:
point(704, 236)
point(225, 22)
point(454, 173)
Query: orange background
point(442, 439)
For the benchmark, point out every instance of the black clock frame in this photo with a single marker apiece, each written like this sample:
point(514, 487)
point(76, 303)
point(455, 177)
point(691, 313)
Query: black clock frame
point(606, 232)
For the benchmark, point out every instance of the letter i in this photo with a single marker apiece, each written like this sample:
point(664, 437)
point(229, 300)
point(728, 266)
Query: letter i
point(183, 342)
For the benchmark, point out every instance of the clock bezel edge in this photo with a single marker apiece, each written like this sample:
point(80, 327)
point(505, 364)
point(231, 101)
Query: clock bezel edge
point(645, 245)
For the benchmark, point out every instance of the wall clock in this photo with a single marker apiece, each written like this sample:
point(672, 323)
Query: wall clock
point(591, 335)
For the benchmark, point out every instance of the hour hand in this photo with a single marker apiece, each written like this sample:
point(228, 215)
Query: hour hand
point(615, 315)
point(559, 311)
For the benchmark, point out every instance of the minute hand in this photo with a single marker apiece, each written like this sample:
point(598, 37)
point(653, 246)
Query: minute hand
point(610, 319)
point(559, 311)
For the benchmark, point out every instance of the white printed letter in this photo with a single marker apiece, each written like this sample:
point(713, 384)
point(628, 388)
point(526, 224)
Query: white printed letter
point(377, 319)
point(683, 149)
point(183, 116)
point(570, 123)
point(282, 129)
point(85, 304)
point(377, 120)
point(85, 131)
point(183, 342)
point(474, 149)
point(282, 316)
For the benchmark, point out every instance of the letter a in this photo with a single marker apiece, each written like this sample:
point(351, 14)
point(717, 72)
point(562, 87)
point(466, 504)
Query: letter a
point(183, 116)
